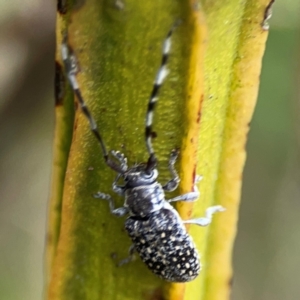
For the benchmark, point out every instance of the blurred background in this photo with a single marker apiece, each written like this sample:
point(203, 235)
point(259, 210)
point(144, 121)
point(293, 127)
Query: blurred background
point(266, 256)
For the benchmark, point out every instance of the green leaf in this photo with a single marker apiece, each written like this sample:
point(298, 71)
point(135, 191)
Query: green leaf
point(204, 109)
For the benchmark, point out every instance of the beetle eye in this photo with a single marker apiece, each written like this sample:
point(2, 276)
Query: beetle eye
point(147, 176)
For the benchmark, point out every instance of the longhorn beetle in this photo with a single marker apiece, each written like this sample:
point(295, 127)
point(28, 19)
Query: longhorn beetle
point(154, 226)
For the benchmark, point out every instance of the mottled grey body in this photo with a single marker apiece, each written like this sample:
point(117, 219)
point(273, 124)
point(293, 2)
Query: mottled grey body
point(159, 235)
point(164, 245)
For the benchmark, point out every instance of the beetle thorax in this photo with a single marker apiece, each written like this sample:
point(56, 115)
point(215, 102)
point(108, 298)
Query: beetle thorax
point(143, 194)
point(137, 176)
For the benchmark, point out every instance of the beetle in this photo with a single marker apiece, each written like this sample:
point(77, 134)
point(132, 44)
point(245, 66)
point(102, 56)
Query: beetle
point(158, 233)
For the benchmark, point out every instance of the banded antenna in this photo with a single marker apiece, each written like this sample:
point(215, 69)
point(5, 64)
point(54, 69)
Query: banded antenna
point(71, 67)
point(160, 77)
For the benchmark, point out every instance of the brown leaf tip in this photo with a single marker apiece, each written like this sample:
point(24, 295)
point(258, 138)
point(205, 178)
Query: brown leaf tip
point(59, 84)
point(62, 7)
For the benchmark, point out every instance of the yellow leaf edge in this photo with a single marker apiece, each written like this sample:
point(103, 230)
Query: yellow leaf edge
point(242, 98)
point(64, 120)
point(195, 92)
